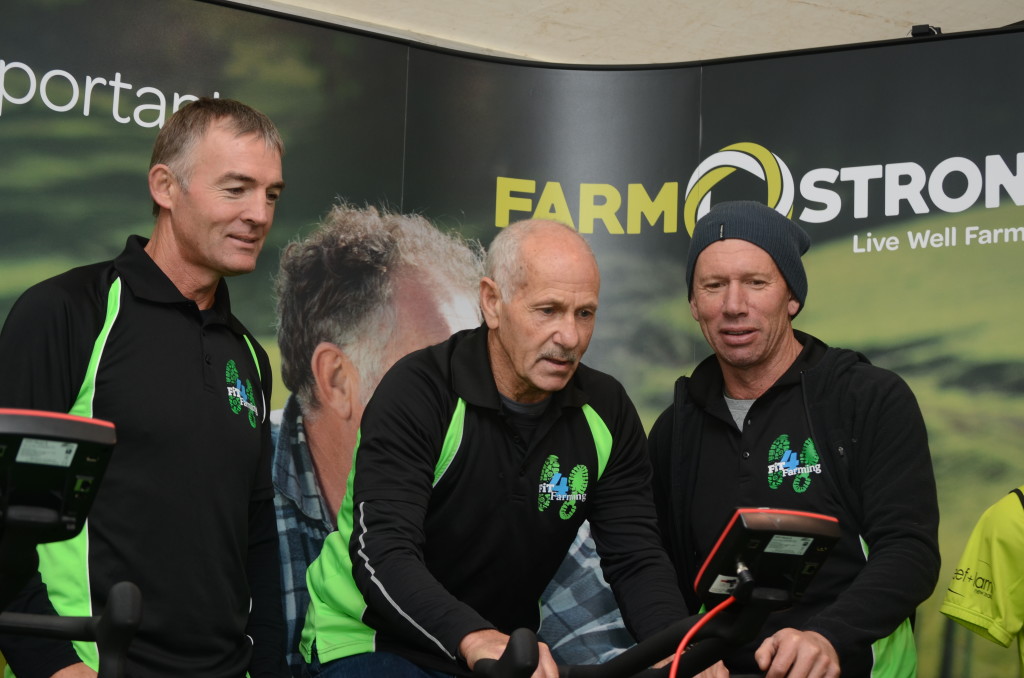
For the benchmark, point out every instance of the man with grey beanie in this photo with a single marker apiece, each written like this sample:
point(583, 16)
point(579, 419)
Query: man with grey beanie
point(778, 418)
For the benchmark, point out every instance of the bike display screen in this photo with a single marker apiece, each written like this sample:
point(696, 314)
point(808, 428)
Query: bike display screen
point(51, 465)
point(778, 548)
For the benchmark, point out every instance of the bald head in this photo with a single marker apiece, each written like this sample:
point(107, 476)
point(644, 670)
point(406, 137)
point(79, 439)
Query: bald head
point(519, 243)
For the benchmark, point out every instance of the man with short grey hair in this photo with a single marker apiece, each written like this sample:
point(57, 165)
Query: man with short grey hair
point(478, 460)
point(149, 342)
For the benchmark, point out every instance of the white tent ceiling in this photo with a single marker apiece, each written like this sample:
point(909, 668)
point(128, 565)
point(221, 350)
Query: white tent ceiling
point(607, 32)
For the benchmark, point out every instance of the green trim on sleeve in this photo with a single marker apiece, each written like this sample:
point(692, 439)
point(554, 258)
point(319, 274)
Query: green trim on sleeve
point(64, 565)
point(255, 359)
point(602, 438)
point(895, 656)
point(452, 441)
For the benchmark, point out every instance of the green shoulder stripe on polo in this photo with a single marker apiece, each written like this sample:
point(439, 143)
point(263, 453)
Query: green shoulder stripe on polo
point(83, 403)
point(252, 351)
point(64, 565)
point(452, 440)
point(602, 438)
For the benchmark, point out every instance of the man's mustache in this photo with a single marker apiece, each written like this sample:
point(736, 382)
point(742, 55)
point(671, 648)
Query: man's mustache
point(562, 355)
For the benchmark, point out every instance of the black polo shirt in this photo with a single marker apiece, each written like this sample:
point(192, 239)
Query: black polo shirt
point(189, 392)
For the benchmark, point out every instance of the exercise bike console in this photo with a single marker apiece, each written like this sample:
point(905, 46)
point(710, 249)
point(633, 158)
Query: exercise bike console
point(762, 562)
point(51, 465)
point(777, 548)
point(50, 468)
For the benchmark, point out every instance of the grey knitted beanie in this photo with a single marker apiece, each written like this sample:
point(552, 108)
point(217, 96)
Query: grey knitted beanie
point(759, 224)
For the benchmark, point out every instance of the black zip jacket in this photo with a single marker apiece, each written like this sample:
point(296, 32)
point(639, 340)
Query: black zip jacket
point(868, 430)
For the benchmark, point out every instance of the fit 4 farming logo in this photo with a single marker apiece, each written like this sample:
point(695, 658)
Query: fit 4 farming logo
point(564, 490)
point(240, 394)
point(819, 195)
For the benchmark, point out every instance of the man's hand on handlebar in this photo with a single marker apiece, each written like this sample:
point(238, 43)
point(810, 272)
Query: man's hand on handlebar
point(491, 643)
point(790, 653)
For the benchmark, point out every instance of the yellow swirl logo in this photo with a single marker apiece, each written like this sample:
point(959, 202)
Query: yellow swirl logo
point(751, 157)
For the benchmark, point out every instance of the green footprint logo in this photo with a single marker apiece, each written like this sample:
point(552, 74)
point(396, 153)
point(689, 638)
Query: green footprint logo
point(579, 479)
point(231, 377)
point(808, 457)
point(778, 448)
point(569, 490)
point(249, 395)
point(547, 472)
point(781, 458)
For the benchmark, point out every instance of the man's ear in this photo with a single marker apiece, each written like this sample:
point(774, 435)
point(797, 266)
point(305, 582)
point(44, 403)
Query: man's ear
point(490, 302)
point(162, 185)
point(336, 379)
point(793, 306)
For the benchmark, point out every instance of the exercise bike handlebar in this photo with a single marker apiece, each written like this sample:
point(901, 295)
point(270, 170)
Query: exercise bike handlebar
point(763, 560)
point(519, 660)
point(711, 642)
point(112, 630)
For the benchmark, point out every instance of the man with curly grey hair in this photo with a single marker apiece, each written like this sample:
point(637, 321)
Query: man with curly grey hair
point(365, 288)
